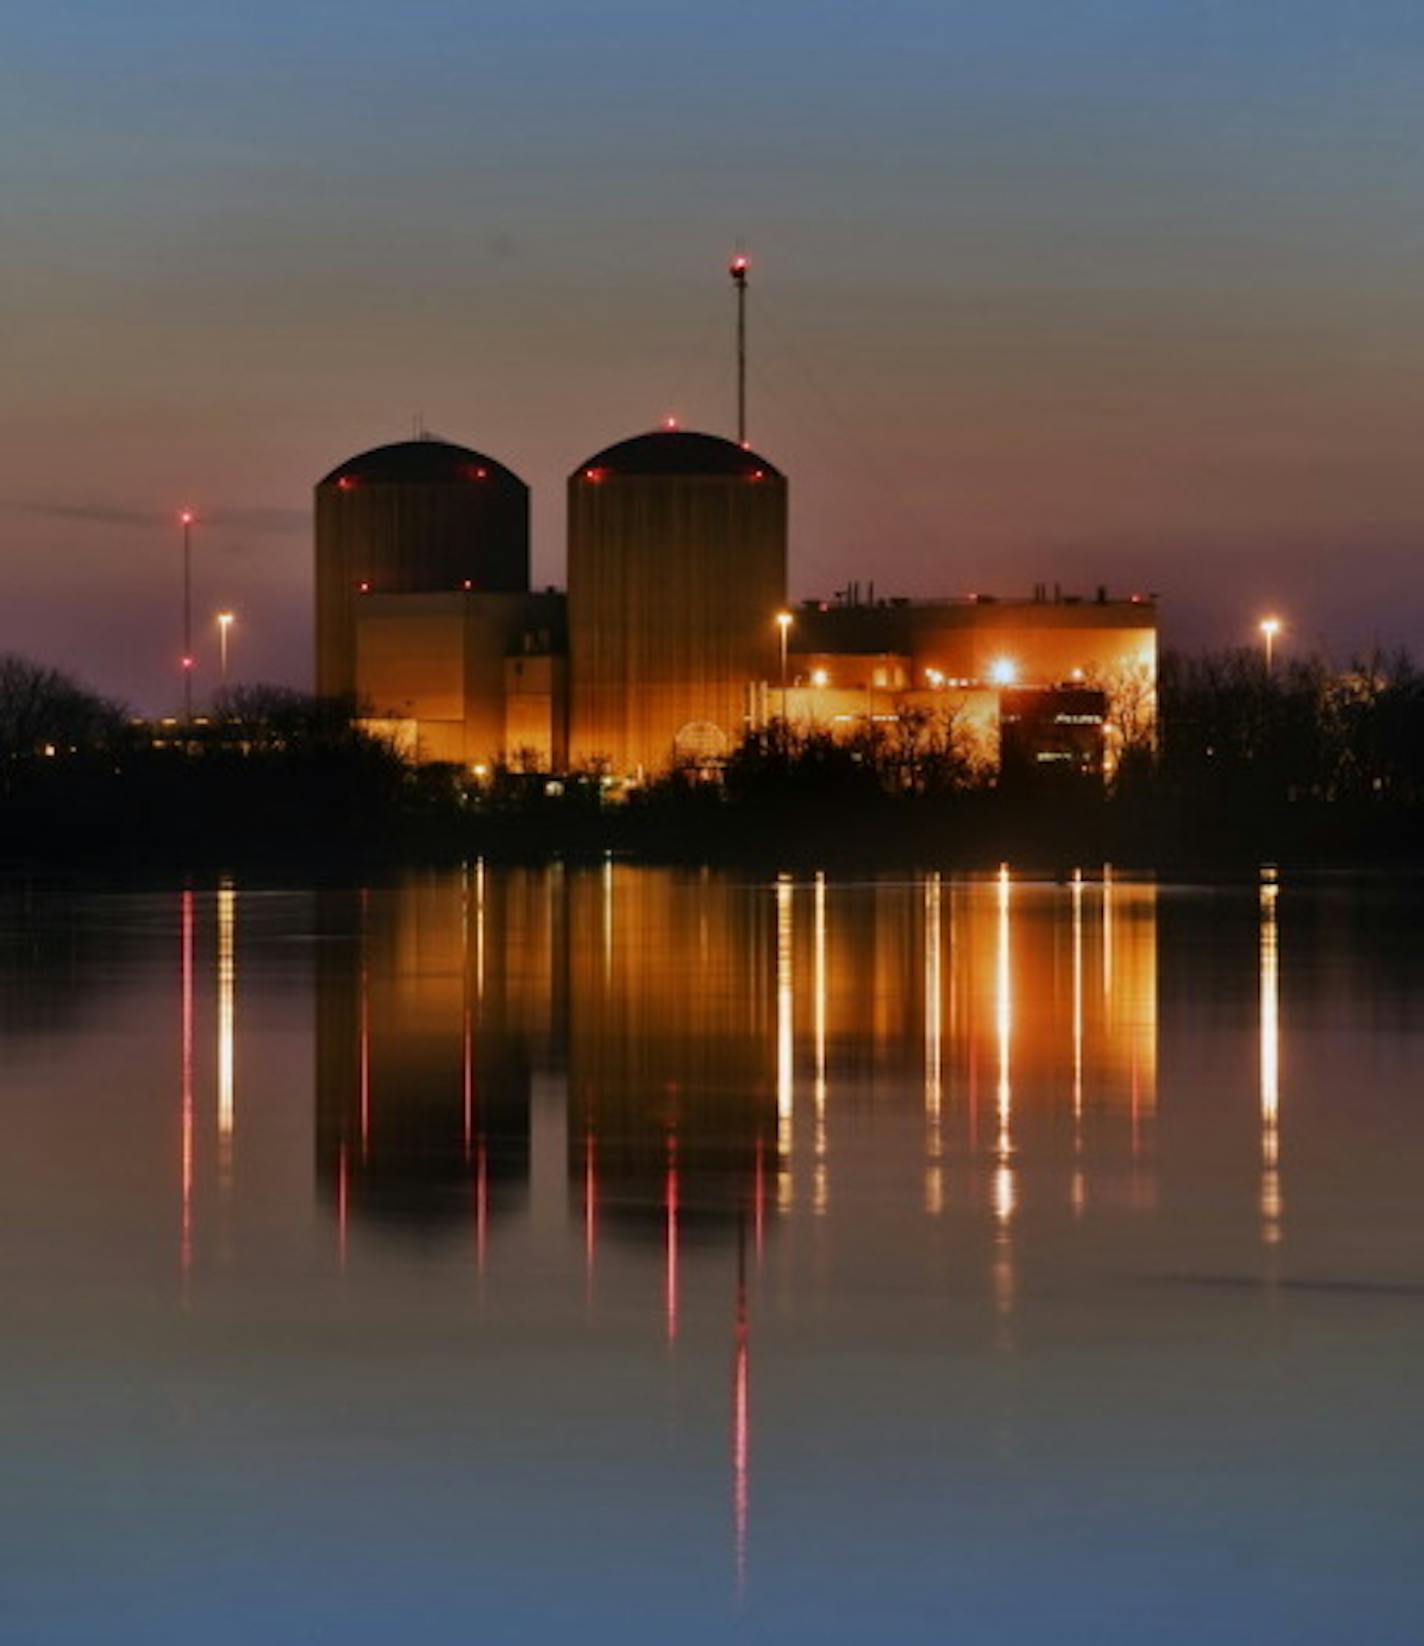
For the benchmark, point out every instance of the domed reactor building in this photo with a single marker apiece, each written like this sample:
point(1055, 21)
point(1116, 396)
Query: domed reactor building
point(423, 608)
point(677, 570)
point(675, 638)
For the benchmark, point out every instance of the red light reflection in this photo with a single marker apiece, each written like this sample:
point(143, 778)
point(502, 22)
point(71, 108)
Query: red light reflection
point(741, 1427)
point(481, 1208)
point(590, 1203)
point(185, 1059)
point(670, 1194)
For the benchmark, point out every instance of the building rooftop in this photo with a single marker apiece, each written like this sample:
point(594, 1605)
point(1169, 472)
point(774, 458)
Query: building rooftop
point(678, 452)
point(425, 462)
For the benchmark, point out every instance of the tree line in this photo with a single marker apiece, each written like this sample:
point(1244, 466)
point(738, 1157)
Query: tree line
point(1225, 761)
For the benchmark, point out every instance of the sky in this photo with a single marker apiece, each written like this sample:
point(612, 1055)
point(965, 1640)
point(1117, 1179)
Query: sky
point(1076, 291)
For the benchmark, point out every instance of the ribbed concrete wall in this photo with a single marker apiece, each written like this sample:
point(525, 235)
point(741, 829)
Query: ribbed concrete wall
point(674, 585)
point(405, 537)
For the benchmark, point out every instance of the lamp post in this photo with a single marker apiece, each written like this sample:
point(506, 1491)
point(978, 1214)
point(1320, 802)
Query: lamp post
point(1270, 627)
point(783, 625)
point(186, 521)
point(224, 624)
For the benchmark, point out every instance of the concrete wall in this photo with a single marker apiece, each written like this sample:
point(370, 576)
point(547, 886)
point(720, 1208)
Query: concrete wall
point(462, 668)
point(674, 585)
point(409, 539)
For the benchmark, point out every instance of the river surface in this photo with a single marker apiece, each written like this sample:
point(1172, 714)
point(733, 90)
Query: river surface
point(666, 1256)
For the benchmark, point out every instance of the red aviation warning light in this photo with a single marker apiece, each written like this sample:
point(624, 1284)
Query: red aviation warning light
point(738, 267)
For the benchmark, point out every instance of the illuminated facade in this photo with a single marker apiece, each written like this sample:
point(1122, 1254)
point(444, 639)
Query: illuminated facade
point(677, 565)
point(675, 639)
point(1051, 680)
point(419, 517)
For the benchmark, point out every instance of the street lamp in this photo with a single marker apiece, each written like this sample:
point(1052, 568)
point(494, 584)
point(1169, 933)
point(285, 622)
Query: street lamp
point(185, 520)
point(783, 625)
point(1270, 627)
point(224, 624)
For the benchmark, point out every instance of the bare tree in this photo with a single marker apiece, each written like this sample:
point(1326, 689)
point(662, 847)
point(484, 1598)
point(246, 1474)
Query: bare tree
point(45, 711)
point(1131, 691)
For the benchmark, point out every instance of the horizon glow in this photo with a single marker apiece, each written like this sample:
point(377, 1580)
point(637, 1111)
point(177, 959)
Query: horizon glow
point(1115, 293)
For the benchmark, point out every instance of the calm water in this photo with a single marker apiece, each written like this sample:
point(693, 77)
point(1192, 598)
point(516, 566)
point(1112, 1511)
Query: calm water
point(660, 1256)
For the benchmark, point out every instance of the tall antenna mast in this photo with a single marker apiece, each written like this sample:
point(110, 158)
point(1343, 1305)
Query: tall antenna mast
point(738, 272)
point(185, 520)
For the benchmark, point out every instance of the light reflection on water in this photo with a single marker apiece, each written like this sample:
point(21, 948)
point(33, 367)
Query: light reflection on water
point(649, 1250)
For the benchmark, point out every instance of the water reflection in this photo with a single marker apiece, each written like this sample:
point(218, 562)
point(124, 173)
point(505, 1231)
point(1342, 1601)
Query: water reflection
point(821, 1186)
point(227, 986)
point(185, 1084)
point(685, 1019)
point(997, 1275)
point(1270, 1060)
point(677, 1016)
point(741, 1422)
point(678, 1056)
point(422, 1089)
point(934, 1050)
point(785, 1039)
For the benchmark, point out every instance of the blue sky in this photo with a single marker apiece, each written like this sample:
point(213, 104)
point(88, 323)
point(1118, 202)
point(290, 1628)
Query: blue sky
point(1044, 290)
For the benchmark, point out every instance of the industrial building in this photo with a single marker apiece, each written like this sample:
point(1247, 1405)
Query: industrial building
point(677, 567)
point(675, 638)
point(424, 612)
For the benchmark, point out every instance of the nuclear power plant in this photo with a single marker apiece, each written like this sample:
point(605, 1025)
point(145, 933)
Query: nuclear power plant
point(675, 638)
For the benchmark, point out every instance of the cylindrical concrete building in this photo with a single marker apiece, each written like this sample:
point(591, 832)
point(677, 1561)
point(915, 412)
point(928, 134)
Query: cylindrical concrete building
point(417, 517)
point(677, 569)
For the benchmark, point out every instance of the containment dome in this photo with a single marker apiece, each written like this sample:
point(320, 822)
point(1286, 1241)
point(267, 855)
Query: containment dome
point(677, 569)
point(420, 463)
point(416, 517)
point(673, 451)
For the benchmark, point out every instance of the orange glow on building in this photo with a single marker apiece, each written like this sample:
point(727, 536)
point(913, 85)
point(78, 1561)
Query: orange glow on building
point(671, 643)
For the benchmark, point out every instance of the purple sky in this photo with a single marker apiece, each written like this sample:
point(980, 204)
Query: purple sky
point(1124, 293)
